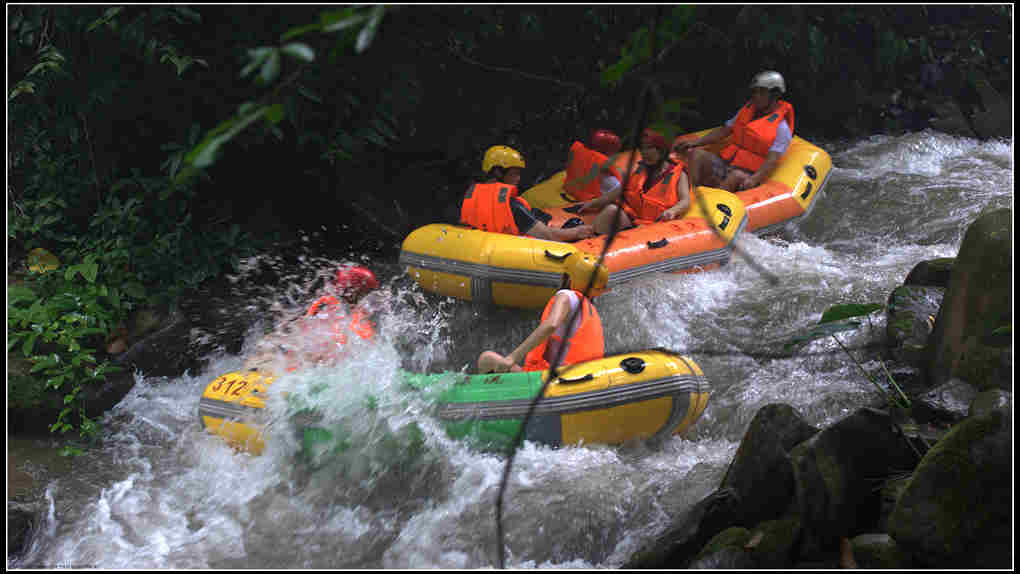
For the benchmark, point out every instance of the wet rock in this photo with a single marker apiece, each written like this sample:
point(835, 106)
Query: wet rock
point(988, 401)
point(760, 473)
point(758, 486)
point(879, 552)
point(892, 488)
point(996, 119)
point(689, 533)
point(949, 119)
point(726, 551)
point(910, 317)
point(19, 528)
point(773, 542)
point(836, 472)
point(977, 306)
point(955, 510)
point(931, 273)
point(947, 403)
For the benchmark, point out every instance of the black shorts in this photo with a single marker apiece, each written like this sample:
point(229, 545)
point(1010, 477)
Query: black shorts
point(720, 168)
point(522, 216)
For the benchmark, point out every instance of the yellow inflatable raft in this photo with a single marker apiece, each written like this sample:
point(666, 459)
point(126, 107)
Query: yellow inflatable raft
point(523, 272)
point(789, 194)
point(648, 394)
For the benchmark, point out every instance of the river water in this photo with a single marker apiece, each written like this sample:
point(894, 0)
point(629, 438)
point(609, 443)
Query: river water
point(160, 493)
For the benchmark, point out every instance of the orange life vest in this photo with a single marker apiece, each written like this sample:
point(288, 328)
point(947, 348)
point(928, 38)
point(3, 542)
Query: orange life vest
point(587, 343)
point(584, 172)
point(486, 206)
point(753, 138)
point(649, 205)
point(359, 323)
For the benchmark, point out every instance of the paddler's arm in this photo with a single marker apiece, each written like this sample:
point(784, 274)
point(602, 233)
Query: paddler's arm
point(718, 134)
point(759, 177)
point(683, 192)
point(557, 316)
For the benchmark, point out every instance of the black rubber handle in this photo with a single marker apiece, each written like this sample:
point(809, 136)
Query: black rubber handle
point(587, 377)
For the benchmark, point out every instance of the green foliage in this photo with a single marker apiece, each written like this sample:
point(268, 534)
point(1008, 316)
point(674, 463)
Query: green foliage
point(55, 319)
point(358, 26)
point(637, 49)
point(838, 318)
point(126, 244)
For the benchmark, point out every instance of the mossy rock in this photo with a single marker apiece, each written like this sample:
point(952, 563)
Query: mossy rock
point(951, 513)
point(778, 539)
point(879, 552)
point(931, 273)
point(977, 304)
point(726, 551)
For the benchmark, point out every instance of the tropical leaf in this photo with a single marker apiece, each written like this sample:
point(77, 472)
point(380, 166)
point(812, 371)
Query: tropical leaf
point(820, 331)
point(299, 51)
point(840, 312)
point(368, 32)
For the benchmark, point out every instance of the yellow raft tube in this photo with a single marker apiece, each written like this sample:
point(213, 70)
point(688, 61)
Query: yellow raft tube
point(651, 394)
point(523, 272)
point(789, 194)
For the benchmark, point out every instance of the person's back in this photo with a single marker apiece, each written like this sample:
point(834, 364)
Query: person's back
point(589, 172)
point(570, 319)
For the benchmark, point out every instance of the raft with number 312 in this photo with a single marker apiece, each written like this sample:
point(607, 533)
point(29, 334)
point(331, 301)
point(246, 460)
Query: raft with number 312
point(651, 394)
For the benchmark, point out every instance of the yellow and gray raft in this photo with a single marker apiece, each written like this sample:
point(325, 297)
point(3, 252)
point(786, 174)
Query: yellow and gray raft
point(650, 394)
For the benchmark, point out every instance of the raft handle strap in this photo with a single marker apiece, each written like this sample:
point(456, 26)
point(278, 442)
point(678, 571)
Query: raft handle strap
point(555, 257)
point(657, 244)
point(587, 377)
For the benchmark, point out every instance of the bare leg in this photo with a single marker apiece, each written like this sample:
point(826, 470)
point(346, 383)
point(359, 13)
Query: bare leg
point(701, 169)
point(604, 221)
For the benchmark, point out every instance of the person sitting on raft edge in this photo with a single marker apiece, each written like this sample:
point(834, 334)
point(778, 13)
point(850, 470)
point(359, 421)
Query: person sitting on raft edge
point(495, 205)
point(590, 172)
point(762, 131)
point(583, 338)
point(658, 190)
point(343, 310)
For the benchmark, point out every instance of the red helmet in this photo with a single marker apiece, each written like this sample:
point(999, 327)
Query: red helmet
point(604, 142)
point(355, 279)
point(655, 139)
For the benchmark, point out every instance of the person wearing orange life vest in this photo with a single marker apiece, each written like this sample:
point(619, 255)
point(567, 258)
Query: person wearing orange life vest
point(762, 131)
point(590, 171)
point(658, 190)
point(324, 329)
point(583, 337)
point(495, 205)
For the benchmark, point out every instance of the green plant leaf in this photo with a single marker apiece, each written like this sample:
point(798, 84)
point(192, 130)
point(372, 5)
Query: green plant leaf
point(299, 51)
point(840, 312)
point(295, 32)
point(275, 113)
point(309, 94)
point(271, 68)
point(340, 20)
point(256, 57)
point(820, 331)
point(368, 32)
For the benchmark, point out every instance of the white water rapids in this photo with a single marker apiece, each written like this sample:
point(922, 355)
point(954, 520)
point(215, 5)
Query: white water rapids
point(161, 493)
